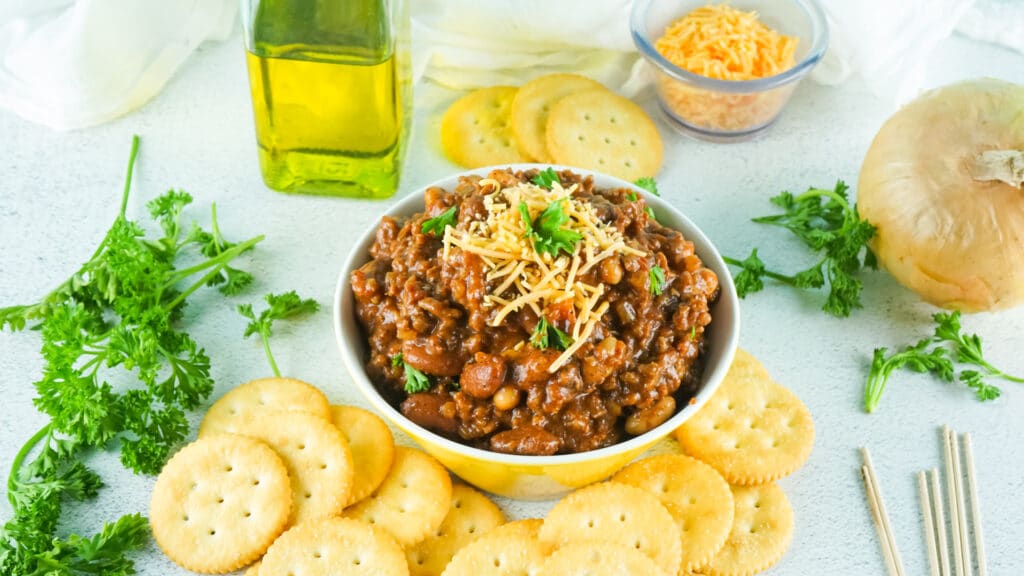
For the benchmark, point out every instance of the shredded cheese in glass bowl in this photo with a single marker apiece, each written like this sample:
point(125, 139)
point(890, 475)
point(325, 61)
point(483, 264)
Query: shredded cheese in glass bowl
point(725, 72)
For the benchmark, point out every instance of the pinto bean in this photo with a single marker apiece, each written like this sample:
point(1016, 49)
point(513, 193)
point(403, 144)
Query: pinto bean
point(428, 410)
point(646, 420)
point(483, 377)
point(529, 440)
point(611, 270)
point(506, 398)
point(429, 356)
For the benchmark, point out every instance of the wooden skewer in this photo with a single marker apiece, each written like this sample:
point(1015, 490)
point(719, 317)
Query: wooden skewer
point(972, 488)
point(961, 506)
point(883, 539)
point(929, 524)
point(940, 523)
point(883, 513)
point(954, 516)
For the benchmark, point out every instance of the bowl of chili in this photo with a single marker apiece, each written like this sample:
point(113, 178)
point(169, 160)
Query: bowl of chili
point(514, 397)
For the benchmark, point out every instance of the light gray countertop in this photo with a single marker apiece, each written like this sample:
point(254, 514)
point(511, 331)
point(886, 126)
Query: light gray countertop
point(59, 193)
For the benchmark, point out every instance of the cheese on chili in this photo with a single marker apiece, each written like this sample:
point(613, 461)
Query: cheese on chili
point(526, 277)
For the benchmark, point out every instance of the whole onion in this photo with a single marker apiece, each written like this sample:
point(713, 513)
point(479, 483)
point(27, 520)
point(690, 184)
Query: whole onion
point(942, 183)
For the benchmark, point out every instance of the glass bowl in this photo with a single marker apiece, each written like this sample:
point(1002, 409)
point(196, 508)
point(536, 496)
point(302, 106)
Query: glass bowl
point(728, 110)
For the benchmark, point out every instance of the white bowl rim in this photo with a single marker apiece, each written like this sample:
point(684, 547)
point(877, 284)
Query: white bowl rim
point(711, 377)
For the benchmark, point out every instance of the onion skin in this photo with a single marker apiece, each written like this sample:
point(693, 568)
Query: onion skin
point(955, 241)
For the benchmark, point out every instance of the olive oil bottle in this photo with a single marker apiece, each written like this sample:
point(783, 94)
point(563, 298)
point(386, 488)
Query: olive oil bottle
point(330, 92)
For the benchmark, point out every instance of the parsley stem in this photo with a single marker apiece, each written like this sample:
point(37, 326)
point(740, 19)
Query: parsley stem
point(768, 273)
point(12, 478)
point(270, 355)
point(128, 176)
point(821, 192)
point(999, 373)
point(217, 238)
point(218, 263)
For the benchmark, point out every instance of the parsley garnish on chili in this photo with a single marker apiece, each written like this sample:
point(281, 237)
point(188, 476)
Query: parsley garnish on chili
point(648, 183)
point(545, 335)
point(415, 381)
point(437, 224)
point(657, 278)
point(546, 230)
point(545, 178)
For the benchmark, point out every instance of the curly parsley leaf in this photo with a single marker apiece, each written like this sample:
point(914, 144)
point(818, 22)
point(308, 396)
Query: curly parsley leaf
point(948, 343)
point(656, 276)
point(917, 358)
point(826, 222)
point(648, 183)
point(436, 225)
point(967, 347)
point(546, 178)
point(285, 306)
point(546, 230)
point(415, 380)
point(546, 335)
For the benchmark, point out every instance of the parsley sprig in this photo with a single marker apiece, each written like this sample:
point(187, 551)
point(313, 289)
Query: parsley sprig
point(415, 380)
point(648, 183)
point(123, 307)
point(656, 276)
point(436, 225)
point(546, 230)
point(285, 306)
point(546, 335)
point(828, 224)
point(937, 355)
point(546, 178)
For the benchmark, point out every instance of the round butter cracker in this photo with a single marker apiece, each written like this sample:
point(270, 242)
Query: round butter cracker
point(470, 516)
point(761, 531)
point(752, 430)
point(475, 130)
point(219, 503)
point(511, 549)
point(253, 399)
point(531, 105)
point(335, 547)
point(613, 512)
point(599, 559)
point(372, 446)
point(602, 131)
point(695, 495)
point(317, 457)
point(412, 501)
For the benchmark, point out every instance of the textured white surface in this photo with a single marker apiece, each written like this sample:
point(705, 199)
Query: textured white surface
point(59, 194)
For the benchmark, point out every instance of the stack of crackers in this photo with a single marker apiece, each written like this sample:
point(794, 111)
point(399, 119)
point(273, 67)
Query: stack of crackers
point(559, 118)
point(280, 478)
point(279, 474)
point(715, 512)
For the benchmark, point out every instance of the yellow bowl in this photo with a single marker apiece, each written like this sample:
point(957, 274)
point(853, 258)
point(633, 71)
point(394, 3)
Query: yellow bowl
point(540, 477)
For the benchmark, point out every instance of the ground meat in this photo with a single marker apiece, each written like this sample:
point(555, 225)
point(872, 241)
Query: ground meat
point(487, 390)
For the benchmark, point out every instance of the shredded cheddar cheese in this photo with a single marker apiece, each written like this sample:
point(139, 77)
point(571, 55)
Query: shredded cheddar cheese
point(524, 277)
point(724, 43)
point(719, 41)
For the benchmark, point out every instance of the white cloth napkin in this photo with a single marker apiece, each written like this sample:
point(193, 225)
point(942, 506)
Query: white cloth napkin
point(886, 43)
point(74, 63)
point(473, 43)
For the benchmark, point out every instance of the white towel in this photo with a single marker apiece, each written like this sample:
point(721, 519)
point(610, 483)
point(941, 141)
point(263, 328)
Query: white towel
point(474, 43)
point(74, 63)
